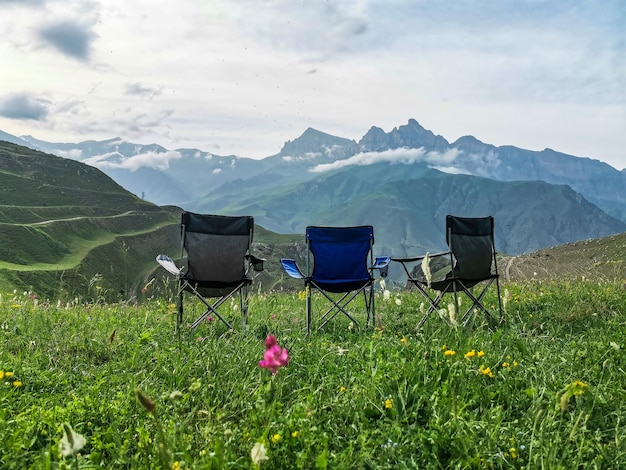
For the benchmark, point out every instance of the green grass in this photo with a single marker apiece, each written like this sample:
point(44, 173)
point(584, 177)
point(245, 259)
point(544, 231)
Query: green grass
point(553, 396)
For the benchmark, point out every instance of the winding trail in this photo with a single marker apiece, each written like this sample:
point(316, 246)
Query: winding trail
point(81, 217)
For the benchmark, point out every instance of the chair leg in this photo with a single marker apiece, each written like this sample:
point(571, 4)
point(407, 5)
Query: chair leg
point(476, 302)
point(243, 305)
point(370, 307)
point(339, 306)
point(179, 313)
point(307, 289)
point(211, 309)
point(432, 305)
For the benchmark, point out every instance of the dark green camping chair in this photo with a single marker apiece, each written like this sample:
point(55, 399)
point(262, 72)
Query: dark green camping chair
point(472, 263)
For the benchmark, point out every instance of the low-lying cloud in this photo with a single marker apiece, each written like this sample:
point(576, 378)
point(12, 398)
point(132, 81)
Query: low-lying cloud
point(157, 160)
point(405, 156)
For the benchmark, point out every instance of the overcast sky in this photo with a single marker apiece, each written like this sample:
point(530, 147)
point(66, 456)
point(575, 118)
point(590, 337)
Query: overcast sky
point(243, 76)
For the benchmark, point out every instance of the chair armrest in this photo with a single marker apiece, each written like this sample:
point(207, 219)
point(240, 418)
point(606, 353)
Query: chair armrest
point(169, 265)
point(292, 269)
point(257, 263)
point(382, 264)
point(419, 258)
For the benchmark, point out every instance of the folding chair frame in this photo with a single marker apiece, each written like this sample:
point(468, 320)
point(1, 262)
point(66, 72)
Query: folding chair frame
point(223, 292)
point(338, 305)
point(454, 285)
point(211, 308)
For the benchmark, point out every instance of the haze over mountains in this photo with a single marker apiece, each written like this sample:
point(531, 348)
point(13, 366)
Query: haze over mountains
point(403, 182)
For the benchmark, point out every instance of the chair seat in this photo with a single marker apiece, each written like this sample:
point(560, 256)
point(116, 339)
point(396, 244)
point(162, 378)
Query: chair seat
point(447, 285)
point(211, 289)
point(342, 285)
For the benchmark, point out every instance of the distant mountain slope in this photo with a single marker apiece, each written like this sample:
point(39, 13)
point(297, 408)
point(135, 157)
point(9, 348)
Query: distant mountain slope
point(184, 176)
point(408, 204)
point(380, 164)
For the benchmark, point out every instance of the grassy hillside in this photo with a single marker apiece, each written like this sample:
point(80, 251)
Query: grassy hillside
point(545, 390)
point(67, 230)
point(602, 259)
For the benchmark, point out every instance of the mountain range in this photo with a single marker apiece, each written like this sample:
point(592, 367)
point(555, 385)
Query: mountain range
point(403, 182)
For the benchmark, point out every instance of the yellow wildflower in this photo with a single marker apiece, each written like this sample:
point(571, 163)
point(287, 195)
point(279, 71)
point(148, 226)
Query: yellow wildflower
point(404, 340)
point(342, 389)
point(449, 352)
point(486, 371)
point(8, 374)
point(506, 365)
point(294, 434)
point(480, 353)
point(1, 374)
point(471, 353)
point(513, 452)
point(577, 387)
point(17, 383)
point(388, 403)
point(276, 438)
point(176, 465)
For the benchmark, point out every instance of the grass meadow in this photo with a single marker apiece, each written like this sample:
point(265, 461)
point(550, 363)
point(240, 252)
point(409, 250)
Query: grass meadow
point(95, 385)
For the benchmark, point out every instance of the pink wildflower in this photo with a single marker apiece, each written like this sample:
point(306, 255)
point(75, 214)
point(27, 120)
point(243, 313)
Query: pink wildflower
point(270, 341)
point(275, 356)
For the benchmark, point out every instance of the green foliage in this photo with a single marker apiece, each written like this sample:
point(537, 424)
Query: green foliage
point(545, 390)
point(67, 230)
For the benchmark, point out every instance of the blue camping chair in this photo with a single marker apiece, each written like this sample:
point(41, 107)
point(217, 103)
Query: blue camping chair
point(342, 263)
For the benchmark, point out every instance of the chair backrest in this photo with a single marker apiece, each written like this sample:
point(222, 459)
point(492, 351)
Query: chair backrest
point(471, 241)
point(340, 253)
point(216, 246)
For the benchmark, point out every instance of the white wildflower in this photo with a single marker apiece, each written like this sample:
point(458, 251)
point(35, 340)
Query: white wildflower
point(452, 314)
point(258, 453)
point(505, 299)
point(71, 442)
point(426, 268)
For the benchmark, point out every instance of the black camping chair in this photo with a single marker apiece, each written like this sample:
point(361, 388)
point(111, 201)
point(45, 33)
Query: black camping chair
point(218, 262)
point(339, 261)
point(472, 261)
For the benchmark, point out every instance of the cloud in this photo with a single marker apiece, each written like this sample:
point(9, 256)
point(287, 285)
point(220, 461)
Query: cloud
point(158, 160)
point(405, 156)
point(127, 122)
point(69, 37)
point(144, 91)
point(24, 106)
point(316, 29)
point(72, 154)
point(23, 2)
